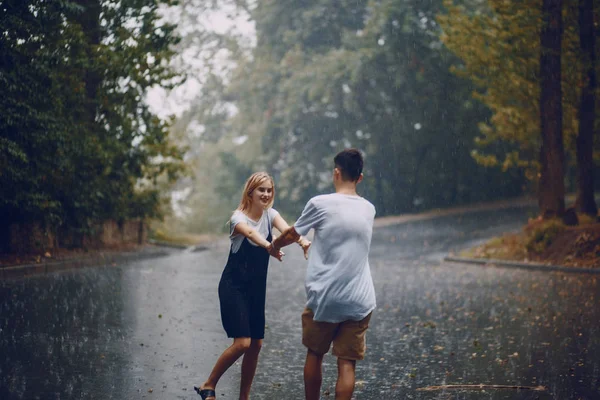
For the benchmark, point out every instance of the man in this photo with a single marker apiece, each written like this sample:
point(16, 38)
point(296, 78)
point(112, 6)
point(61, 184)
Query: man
point(339, 287)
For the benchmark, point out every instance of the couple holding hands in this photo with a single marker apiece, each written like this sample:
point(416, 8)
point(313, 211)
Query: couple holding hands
point(339, 287)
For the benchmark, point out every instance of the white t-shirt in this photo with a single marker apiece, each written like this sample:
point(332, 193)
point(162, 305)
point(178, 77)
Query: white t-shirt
point(338, 282)
point(262, 226)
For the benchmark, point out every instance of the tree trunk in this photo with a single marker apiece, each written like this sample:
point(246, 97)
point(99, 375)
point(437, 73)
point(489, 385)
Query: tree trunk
point(455, 179)
point(414, 187)
point(585, 202)
point(89, 19)
point(380, 195)
point(551, 192)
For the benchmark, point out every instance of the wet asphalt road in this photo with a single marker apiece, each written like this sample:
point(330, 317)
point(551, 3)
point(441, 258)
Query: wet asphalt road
point(151, 329)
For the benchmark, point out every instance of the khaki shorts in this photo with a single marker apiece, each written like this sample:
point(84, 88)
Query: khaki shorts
point(348, 337)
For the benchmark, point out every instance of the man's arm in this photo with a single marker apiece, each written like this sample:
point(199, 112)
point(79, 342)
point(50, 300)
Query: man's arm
point(286, 238)
point(282, 226)
point(307, 220)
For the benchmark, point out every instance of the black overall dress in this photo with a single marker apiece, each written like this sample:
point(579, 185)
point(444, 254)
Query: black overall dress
point(242, 290)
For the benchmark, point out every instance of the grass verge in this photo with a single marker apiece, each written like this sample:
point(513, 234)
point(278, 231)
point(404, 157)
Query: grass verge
point(546, 241)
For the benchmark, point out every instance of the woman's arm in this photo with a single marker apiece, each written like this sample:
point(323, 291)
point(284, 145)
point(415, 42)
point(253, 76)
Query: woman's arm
point(246, 230)
point(279, 223)
point(242, 228)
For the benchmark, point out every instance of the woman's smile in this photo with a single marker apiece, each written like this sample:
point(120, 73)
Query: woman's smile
point(263, 193)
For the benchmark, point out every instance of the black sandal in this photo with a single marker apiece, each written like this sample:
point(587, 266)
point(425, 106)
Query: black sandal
point(205, 393)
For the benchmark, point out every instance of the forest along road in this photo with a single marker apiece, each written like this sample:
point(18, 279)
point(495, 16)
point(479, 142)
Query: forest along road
point(151, 328)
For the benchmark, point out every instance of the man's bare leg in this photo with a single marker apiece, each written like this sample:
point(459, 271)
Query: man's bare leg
point(249, 367)
point(313, 375)
point(346, 377)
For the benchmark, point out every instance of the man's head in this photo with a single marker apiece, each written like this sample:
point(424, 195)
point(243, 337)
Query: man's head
point(349, 165)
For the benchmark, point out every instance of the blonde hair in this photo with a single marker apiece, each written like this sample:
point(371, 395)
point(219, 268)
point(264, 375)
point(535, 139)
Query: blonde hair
point(255, 180)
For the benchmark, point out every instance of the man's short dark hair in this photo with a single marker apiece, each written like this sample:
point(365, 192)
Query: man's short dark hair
point(350, 164)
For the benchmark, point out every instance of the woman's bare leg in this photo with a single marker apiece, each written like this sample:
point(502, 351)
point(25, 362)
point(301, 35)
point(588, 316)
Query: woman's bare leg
point(226, 360)
point(249, 367)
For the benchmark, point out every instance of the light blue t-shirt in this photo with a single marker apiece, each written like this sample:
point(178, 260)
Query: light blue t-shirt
point(338, 282)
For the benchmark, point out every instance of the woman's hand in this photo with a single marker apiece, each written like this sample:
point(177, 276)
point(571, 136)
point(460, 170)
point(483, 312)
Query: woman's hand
point(277, 253)
point(305, 244)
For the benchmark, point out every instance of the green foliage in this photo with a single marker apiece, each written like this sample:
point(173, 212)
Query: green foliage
point(221, 180)
point(325, 75)
point(507, 247)
point(77, 142)
point(542, 235)
point(373, 75)
point(501, 57)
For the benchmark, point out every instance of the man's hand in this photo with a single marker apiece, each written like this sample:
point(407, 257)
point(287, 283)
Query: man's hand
point(305, 244)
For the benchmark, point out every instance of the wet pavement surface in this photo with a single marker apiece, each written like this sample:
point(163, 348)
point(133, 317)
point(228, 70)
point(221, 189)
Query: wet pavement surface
point(151, 329)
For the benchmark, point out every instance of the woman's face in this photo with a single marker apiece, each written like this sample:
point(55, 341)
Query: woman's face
point(263, 193)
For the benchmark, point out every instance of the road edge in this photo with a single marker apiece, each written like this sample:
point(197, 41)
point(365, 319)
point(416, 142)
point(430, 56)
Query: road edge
point(106, 259)
point(519, 202)
point(490, 262)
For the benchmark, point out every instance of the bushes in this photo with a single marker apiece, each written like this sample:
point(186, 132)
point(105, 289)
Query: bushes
point(540, 235)
point(78, 145)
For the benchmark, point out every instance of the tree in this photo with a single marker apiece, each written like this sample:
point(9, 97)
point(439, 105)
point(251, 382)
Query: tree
point(585, 201)
point(370, 75)
point(551, 195)
point(502, 57)
point(41, 97)
point(77, 143)
point(330, 74)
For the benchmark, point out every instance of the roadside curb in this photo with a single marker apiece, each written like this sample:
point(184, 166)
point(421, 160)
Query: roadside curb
point(523, 202)
point(515, 264)
point(168, 244)
point(19, 271)
point(190, 248)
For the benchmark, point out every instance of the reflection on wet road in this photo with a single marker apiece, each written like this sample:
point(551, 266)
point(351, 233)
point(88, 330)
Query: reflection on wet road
point(151, 329)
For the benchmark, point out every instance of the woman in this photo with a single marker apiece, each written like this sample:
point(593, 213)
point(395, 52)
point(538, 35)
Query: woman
point(242, 288)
